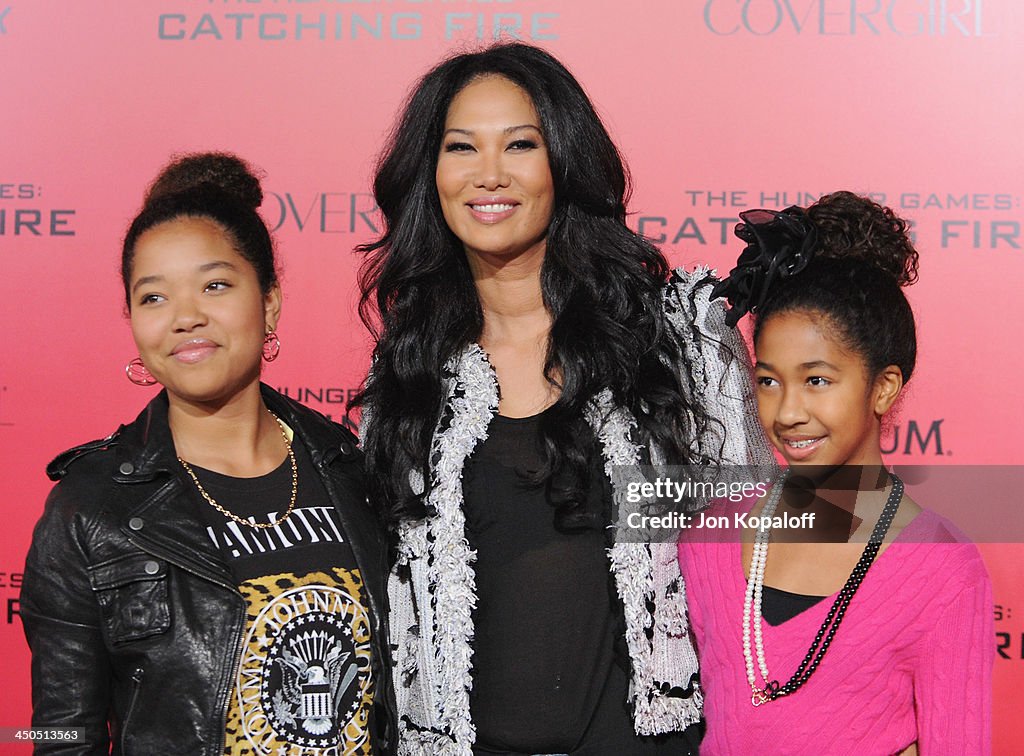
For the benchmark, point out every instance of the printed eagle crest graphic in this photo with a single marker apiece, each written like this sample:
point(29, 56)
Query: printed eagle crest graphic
point(312, 679)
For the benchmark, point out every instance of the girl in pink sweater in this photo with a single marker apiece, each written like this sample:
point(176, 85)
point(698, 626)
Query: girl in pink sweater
point(870, 631)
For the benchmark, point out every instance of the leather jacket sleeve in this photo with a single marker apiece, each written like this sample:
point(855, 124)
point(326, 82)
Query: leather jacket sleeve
point(61, 618)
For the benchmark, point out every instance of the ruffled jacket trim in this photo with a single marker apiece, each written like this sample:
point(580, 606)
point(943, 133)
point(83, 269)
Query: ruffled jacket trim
point(432, 589)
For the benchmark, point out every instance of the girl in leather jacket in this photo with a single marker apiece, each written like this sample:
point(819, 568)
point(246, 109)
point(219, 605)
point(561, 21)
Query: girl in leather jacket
point(209, 578)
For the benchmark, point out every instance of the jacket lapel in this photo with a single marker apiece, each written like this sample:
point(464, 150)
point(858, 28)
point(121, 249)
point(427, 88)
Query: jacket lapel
point(165, 523)
point(472, 402)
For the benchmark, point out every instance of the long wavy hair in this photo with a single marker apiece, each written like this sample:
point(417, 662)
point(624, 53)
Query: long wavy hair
point(601, 282)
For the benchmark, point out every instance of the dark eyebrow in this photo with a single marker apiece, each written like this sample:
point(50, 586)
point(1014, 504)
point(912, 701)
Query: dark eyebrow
point(522, 126)
point(817, 364)
point(204, 268)
point(759, 365)
point(506, 130)
point(146, 280)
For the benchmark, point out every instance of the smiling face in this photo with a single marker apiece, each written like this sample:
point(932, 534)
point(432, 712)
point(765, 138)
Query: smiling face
point(198, 316)
point(816, 401)
point(493, 176)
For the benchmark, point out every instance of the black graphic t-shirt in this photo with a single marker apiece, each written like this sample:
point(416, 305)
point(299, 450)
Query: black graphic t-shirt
point(303, 685)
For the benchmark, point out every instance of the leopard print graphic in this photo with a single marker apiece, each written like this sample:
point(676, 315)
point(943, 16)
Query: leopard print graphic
point(303, 685)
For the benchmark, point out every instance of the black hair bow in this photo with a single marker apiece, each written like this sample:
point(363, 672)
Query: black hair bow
point(779, 245)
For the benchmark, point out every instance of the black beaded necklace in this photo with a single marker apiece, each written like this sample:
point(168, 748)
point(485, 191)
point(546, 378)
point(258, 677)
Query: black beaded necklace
point(772, 689)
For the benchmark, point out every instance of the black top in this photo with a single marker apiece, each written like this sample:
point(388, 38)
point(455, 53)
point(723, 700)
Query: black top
point(547, 677)
point(305, 676)
point(777, 605)
point(311, 535)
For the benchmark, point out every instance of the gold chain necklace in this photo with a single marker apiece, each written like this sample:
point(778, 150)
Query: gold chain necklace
point(228, 513)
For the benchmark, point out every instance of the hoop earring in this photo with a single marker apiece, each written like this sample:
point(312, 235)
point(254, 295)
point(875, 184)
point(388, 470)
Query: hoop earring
point(138, 373)
point(271, 346)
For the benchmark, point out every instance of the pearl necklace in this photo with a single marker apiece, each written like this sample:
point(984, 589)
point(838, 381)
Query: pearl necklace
point(753, 596)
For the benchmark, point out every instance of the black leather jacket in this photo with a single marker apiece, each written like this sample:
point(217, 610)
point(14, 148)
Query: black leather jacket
point(135, 623)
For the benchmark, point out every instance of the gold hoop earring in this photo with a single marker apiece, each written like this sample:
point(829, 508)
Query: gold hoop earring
point(138, 373)
point(271, 346)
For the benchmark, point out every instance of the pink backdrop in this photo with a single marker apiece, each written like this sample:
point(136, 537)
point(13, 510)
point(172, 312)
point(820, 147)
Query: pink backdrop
point(718, 106)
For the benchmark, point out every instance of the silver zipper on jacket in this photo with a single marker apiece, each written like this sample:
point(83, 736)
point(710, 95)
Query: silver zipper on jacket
point(136, 686)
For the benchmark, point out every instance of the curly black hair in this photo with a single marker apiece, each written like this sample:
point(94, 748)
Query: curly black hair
point(864, 256)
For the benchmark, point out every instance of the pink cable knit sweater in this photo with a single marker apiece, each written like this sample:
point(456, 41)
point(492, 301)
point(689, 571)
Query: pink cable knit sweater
point(912, 660)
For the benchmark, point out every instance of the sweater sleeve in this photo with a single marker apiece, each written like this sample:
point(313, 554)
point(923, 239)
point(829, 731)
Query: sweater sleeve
point(953, 682)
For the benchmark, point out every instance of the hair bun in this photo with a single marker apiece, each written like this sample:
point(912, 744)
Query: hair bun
point(853, 227)
point(226, 172)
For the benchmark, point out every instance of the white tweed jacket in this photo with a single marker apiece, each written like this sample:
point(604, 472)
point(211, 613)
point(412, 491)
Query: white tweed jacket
point(432, 587)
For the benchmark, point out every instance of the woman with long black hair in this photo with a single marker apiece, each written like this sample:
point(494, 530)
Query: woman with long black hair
point(529, 347)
